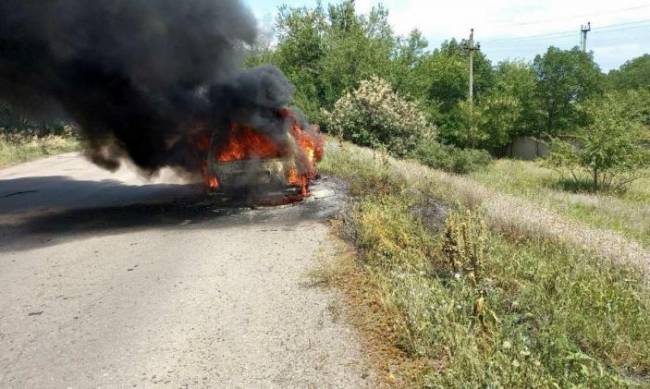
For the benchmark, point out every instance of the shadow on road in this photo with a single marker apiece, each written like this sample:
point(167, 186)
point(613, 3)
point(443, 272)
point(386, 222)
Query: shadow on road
point(39, 194)
point(46, 211)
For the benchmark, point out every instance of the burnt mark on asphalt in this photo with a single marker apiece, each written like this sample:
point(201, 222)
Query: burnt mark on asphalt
point(21, 193)
point(189, 210)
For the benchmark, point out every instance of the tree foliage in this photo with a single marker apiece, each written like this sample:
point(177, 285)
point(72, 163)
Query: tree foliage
point(608, 149)
point(327, 51)
point(497, 122)
point(565, 78)
point(634, 74)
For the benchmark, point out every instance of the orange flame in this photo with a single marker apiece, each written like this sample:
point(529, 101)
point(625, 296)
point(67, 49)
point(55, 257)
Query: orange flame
point(213, 183)
point(245, 143)
point(305, 148)
point(299, 180)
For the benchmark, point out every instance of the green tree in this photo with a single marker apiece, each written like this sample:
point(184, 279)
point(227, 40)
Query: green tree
point(499, 114)
point(300, 52)
point(483, 70)
point(637, 102)
point(461, 126)
point(608, 149)
point(443, 75)
point(326, 51)
point(12, 119)
point(510, 108)
point(441, 80)
point(634, 74)
point(516, 80)
point(565, 78)
point(409, 52)
point(357, 48)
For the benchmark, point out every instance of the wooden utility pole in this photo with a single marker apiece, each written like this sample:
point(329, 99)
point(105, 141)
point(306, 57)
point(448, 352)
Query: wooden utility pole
point(471, 47)
point(584, 31)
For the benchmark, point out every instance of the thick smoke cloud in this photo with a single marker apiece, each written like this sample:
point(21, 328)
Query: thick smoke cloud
point(137, 75)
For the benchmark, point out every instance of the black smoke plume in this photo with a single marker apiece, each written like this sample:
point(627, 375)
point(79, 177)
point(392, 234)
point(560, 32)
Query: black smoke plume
point(137, 75)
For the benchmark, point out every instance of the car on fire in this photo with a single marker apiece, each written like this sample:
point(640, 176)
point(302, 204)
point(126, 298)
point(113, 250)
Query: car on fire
point(248, 160)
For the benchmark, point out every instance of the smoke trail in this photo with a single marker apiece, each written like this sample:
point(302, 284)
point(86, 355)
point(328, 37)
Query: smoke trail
point(136, 74)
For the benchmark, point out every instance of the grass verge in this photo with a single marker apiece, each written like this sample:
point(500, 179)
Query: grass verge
point(15, 149)
point(627, 213)
point(469, 303)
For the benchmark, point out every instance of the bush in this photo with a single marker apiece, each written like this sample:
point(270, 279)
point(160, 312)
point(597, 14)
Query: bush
point(450, 158)
point(375, 116)
point(609, 149)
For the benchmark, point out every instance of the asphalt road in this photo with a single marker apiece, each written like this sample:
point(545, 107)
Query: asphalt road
point(108, 280)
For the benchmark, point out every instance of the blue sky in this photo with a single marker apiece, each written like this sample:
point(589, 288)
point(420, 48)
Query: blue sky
point(514, 29)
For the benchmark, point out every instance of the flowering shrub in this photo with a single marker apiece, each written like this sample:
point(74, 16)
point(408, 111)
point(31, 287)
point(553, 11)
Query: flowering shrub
point(374, 115)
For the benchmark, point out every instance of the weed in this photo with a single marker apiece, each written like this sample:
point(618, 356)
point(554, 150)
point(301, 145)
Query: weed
point(496, 298)
point(464, 245)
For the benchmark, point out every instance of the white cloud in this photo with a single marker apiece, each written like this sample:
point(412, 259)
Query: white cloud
point(507, 18)
point(497, 22)
point(616, 55)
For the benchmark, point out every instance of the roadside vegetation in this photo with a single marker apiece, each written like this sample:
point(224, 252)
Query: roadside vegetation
point(627, 212)
point(23, 140)
point(482, 301)
point(19, 147)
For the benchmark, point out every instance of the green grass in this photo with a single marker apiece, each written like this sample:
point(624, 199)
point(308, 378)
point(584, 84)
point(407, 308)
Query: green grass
point(627, 213)
point(489, 309)
point(16, 149)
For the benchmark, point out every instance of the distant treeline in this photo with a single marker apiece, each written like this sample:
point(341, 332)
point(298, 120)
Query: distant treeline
point(326, 51)
point(14, 120)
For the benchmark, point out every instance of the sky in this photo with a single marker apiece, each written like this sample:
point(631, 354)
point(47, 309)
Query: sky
point(509, 29)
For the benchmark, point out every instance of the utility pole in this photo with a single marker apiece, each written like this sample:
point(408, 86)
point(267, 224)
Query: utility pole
point(584, 30)
point(471, 47)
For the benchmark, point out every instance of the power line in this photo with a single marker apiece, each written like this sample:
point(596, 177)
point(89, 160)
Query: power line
point(608, 28)
point(613, 27)
point(532, 37)
point(573, 17)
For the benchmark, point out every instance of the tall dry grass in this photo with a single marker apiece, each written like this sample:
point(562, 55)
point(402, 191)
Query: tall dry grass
point(17, 148)
point(506, 213)
point(627, 212)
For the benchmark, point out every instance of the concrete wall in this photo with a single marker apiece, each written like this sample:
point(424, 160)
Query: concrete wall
point(528, 148)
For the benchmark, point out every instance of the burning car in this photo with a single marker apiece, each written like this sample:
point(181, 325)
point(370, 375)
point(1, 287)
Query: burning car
point(248, 160)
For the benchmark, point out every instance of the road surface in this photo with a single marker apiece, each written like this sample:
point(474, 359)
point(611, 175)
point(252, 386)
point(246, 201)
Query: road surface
point(111, 281)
